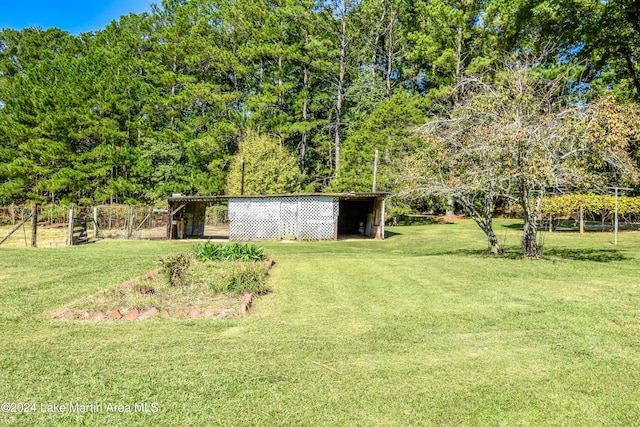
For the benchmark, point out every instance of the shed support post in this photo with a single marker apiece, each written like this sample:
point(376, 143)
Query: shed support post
point(384, 200)
point(169, 218)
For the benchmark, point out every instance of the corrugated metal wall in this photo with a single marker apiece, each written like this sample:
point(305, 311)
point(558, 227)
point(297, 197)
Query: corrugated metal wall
point(277, 218)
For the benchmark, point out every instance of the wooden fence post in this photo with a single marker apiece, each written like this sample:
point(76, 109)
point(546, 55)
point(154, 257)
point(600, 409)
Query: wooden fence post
point(581, 220)
point(130, 224)
point(34, 225)
point(95, 222)
point(70, 230)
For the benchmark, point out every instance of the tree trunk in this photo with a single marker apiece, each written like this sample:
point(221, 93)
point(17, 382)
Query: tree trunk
point(494, 246)
point(530, 201)
point(378, 32)
point(530, 248)
point(484, 219)
point(172, 124)
point(303, 140)
point(280, 100)
point(450, 212)
point(340, 91)
point(487, 227)
point(632, 71)
point(390, 49)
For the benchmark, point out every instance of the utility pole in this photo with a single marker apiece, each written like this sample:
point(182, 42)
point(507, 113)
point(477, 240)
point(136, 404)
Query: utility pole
point(242, 179)
point(375, 172)
point(615, 219)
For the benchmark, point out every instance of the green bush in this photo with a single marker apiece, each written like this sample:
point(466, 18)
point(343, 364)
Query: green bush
point(209, 251)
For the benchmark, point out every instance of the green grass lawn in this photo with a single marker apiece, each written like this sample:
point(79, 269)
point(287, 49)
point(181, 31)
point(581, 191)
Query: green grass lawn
point(420, 329)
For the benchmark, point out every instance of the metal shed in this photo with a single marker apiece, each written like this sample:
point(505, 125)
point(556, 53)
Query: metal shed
point(308, 216)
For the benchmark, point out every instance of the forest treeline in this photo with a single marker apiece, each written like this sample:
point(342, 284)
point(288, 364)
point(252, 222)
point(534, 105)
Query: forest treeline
point(159, 103)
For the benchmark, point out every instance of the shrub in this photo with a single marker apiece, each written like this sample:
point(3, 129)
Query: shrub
point(209, 251)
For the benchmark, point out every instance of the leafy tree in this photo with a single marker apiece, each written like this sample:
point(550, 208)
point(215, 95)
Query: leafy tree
point(455, 162)
point(269, 168)
point(518, 136)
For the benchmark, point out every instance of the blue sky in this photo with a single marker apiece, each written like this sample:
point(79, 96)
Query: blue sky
point(74, 16)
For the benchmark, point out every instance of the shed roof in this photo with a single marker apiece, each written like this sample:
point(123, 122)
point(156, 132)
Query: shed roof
point(343, 196)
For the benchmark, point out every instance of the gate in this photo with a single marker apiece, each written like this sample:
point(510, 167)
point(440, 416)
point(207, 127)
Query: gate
point(79, 233)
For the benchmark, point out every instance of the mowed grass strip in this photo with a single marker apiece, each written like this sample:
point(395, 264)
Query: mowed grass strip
point(421, 329)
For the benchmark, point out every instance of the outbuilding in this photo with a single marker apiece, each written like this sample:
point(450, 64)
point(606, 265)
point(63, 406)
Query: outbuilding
point(306, 216)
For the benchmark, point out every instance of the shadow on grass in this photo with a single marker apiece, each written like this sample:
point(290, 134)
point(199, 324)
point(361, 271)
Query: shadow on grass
point(388, 234)
point(515, 253)
point(594, 255)
point(89, 241)
point(416, 220)
point(483, 253)
point(515, 226)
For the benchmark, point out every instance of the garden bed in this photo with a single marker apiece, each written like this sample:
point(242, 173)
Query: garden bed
point(211, 280)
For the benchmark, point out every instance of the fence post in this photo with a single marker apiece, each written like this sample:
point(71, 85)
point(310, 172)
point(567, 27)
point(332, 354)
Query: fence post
point(581, 220)
point(130, 224)
point(34, 225)
point(70, 230)
point(95, 222)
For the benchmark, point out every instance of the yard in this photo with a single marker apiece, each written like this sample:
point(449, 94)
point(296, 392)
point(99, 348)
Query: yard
point(420, 329)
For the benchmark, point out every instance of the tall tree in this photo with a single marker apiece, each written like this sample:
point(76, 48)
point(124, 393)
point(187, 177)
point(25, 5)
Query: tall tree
point(339, 27)
point(448, 39)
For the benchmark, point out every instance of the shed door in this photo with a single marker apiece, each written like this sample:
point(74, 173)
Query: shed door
point(289, 219)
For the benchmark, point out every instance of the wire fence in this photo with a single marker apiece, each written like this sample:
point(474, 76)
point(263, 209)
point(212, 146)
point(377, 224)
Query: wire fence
point(594, 212)
point(102, 221)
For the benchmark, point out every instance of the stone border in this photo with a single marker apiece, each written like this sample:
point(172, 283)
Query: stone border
point(136, 314)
